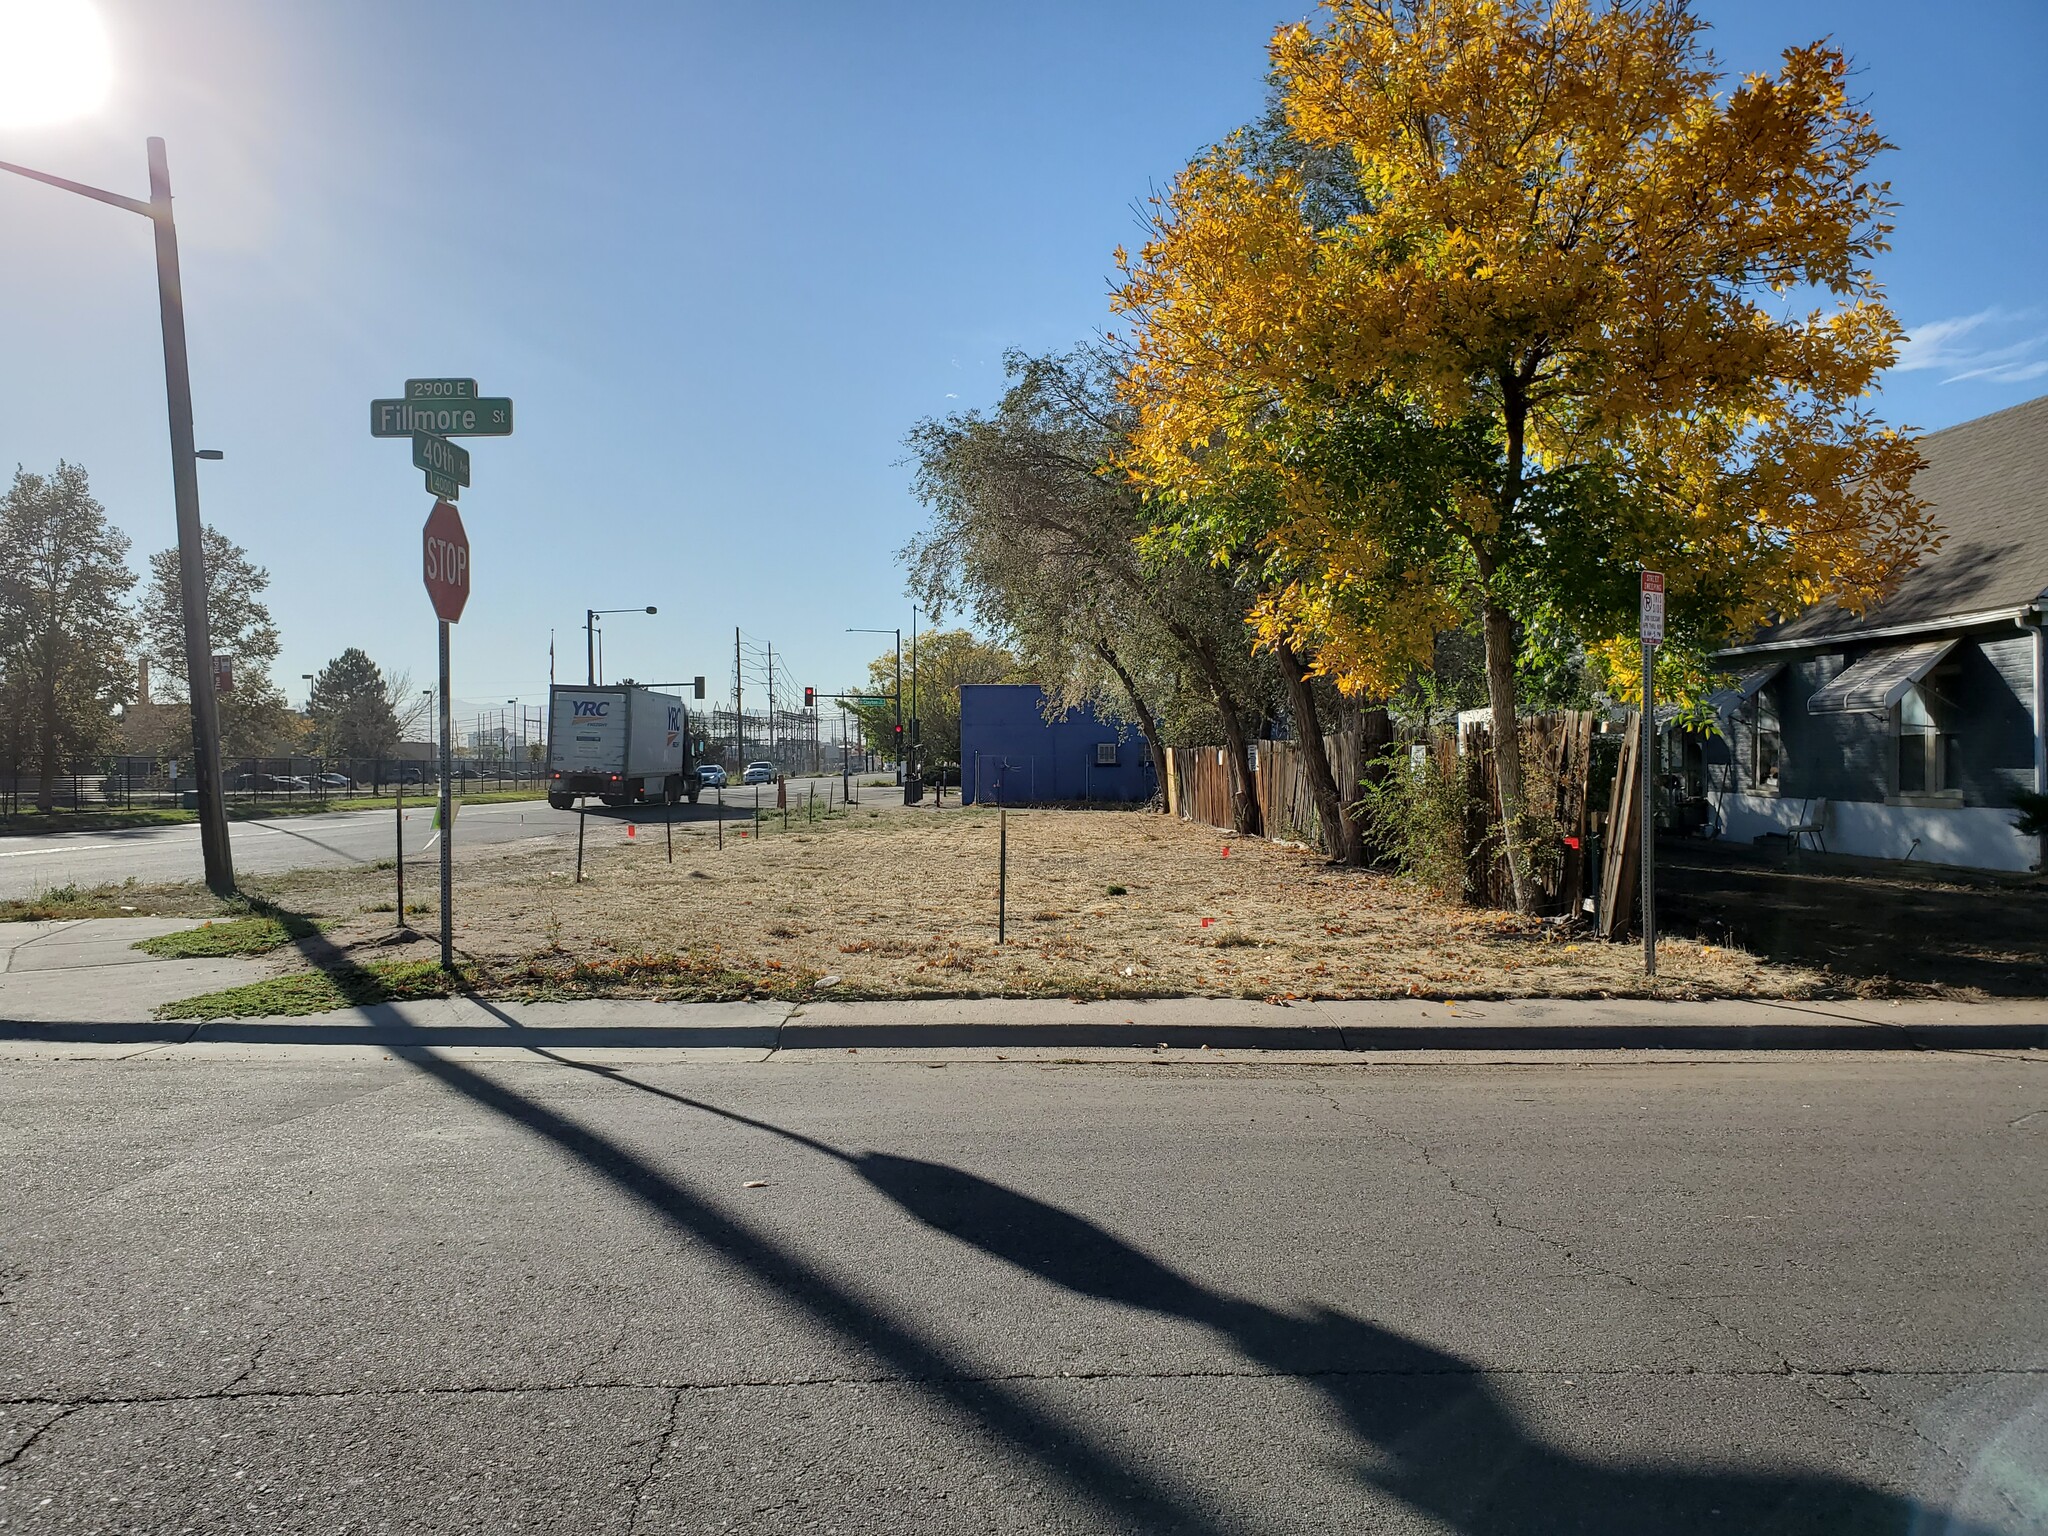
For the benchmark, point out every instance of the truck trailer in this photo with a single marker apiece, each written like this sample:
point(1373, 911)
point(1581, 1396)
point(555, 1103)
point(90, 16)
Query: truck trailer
point(623, 745)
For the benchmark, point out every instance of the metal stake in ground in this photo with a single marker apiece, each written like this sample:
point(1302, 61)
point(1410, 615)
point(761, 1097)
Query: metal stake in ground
point(399, 844)
point(581, 816)
point(1002, 870)
point(721, 818)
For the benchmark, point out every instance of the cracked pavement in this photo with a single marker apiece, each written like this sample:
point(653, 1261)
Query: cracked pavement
point(951, 1293)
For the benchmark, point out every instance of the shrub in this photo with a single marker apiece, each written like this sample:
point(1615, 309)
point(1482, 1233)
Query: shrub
point(2033, 817)
point(1417, 815)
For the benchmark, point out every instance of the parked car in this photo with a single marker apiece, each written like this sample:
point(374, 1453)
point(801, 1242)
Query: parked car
point(760, 773)
point(337, 781)
point(711, 775)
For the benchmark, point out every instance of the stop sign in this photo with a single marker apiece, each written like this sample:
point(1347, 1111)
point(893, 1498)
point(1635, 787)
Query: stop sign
point(447, 562)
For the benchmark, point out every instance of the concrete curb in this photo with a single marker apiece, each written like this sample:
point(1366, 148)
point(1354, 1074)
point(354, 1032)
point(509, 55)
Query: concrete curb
point(1191, 1024)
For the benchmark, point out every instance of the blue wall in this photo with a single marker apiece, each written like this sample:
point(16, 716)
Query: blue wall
point(1009, 753)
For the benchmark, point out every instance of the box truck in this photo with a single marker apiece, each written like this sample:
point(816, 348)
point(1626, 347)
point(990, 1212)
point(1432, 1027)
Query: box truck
point(622, 744)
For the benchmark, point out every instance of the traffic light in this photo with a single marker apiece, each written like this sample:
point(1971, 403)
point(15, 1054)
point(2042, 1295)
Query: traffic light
point(698, 684)
point(810, 697)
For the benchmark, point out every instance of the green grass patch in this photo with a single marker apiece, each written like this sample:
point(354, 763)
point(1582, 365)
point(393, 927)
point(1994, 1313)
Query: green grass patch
point(696, 977)
point(359, 986)
point(237, 936)
point(67, 903)
point(34, 823)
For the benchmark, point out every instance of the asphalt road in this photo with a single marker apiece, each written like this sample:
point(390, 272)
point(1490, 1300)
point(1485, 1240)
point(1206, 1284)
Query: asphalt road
point(325, 1293)
point(151, 854)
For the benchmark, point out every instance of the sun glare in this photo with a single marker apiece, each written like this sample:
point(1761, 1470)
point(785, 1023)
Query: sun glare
point(54, 61)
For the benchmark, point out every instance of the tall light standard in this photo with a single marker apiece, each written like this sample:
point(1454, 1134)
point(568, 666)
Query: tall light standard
point(590, 618)
point(213, 820)
point(518, 736)
point(899, 683)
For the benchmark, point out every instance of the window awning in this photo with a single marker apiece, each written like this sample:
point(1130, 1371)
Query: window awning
point(1728, 700)
point(1877, 682)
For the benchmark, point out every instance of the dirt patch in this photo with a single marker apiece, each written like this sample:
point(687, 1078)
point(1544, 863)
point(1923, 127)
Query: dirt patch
point(1101, 903)
point(1884, 930)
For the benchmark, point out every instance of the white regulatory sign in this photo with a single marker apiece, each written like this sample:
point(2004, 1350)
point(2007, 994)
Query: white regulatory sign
point(1652, 620)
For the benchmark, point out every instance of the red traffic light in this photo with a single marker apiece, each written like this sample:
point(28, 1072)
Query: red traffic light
point(810, 697)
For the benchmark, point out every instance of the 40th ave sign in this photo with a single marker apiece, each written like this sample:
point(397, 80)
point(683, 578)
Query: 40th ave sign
point(446, 562)
point(438, 456)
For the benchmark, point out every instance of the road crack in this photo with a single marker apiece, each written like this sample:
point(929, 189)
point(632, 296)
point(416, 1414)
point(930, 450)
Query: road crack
point(661, 1445)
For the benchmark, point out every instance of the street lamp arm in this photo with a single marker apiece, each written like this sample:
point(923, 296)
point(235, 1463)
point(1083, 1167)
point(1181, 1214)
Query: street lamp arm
point(133, 205)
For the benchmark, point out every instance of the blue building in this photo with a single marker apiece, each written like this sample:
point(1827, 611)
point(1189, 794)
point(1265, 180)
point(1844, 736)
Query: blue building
point(1010, 754)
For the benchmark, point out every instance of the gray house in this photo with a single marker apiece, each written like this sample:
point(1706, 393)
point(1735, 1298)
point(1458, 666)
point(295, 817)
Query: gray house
point(1908, 731)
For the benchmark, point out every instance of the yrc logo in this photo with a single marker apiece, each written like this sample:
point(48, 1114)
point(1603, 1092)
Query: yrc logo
point(586, 708)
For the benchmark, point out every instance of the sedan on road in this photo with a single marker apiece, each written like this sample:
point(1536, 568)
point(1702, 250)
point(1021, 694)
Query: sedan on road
point(711, 776)
point(337, 781)
point(760, 773)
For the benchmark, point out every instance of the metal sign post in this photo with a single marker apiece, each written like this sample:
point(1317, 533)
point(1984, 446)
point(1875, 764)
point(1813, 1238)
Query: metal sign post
point(431, 412)
point(447, 813)
point(1651, 623)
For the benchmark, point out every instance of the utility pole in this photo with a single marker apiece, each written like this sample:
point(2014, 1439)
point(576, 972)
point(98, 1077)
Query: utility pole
point(916, 731)
point(739, 719)
point(170, 290)
point(771, 702)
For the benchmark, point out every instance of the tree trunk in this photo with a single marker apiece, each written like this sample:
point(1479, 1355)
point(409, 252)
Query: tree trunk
point(1507, 745)
point(1339, 838)
point(46, 770)
point(1244, 794)
point(1499, 629)
point(1161, 767)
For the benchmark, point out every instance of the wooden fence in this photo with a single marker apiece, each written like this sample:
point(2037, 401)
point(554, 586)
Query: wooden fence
point(1556, 768)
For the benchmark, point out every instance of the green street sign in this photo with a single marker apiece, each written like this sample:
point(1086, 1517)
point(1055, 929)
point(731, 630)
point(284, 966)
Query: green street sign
point(490, 417)
point(440, 389)
point(438, 456)
point(441, 487)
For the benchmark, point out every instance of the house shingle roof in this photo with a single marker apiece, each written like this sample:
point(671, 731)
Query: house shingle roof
point(1986, 485)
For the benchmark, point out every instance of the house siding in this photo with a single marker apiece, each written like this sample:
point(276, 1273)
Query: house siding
point(1830, 757)
point(1995, 685)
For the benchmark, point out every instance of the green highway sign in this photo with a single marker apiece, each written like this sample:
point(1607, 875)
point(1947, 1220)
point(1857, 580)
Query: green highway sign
point(438, 456)
point(441, 487)
point(443, 418)
point(440, 389)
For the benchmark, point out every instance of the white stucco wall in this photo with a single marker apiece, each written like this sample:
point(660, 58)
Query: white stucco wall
point(1973, 837)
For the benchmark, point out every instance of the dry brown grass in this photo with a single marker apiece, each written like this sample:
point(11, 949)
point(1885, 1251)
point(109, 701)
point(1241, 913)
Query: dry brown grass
point(904, 905)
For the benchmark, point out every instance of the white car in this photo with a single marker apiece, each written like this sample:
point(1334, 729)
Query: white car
point(711, 776)
point(760, 773)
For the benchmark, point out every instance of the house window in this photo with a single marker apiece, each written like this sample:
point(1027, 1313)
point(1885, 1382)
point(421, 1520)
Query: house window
point(1105, 754)
point(1930, 758)
point(1767, 744)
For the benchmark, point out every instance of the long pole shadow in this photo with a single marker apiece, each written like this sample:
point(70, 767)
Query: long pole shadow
point(1442, 1440)
point(1127, 1497)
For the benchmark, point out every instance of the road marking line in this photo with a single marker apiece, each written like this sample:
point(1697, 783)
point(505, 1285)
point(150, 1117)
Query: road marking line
point(30, 853)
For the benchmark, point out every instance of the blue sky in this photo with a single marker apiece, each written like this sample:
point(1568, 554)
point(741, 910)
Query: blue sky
point(722, 257)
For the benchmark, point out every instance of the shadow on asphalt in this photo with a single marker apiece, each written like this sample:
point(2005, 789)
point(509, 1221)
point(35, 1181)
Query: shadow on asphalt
point(1434, 1433)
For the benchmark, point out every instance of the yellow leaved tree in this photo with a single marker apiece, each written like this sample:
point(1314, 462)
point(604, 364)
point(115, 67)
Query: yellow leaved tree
point(1633, 297)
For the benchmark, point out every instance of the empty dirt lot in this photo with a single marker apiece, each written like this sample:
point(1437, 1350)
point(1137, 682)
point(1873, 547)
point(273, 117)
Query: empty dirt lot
point(904, 904)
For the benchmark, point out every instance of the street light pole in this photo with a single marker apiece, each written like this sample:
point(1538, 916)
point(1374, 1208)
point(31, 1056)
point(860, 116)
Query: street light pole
point(590, 618)
point(213, 820)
